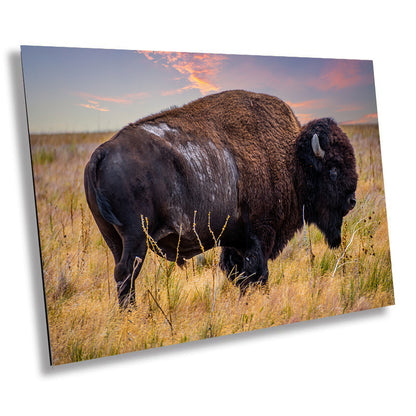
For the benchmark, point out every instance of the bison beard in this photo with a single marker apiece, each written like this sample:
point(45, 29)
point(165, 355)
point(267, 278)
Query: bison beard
point(236, 155)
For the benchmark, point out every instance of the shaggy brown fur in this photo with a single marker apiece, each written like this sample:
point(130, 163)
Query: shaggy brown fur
point(260, 130)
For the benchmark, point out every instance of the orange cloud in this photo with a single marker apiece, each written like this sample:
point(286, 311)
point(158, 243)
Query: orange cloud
point(304, 118)
point(307, 104)
point(338, 75)
point(94, 107)
point(200, 70)
point(368, 118)
point(177, 91)
point(94, 100)
point(125, 99)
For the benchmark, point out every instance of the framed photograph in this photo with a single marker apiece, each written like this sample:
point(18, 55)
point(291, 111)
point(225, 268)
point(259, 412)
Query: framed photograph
point(185, 196)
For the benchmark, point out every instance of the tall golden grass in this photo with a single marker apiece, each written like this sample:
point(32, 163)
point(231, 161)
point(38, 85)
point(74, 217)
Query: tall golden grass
point(307, 281)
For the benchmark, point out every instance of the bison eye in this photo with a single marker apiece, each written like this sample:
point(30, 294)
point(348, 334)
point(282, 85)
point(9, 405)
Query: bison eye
point(333, 173)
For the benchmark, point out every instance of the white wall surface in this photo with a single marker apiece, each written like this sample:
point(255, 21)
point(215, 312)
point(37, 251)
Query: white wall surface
point(359, 364)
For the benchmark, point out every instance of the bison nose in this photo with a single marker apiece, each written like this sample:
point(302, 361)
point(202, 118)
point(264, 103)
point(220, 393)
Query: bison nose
point(351, 201)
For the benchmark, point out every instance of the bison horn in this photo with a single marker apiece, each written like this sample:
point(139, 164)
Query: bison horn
point(316, 147)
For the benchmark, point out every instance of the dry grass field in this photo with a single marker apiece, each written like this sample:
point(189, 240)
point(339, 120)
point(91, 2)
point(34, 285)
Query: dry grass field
point(174, 305)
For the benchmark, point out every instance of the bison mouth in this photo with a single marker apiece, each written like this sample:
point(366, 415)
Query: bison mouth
point(332, 232)
point(334, 241)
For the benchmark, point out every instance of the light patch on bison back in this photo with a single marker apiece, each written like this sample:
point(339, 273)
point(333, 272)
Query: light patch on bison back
point(158, 129)
point(213, 180)
point(220, 179)
point(198, 160)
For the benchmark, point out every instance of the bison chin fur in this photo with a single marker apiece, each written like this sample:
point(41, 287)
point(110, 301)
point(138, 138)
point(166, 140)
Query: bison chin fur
point(332, 232)
point(329, 222)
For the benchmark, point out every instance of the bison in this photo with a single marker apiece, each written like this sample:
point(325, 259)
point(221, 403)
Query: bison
point(236, 158)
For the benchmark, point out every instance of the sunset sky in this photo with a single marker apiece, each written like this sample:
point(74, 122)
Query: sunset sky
point(74, 89)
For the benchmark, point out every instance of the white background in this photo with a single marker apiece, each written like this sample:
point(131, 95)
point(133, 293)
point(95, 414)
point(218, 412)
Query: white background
point(359, 364)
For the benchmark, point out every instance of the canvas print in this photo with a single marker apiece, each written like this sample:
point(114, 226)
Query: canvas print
point(184, 196)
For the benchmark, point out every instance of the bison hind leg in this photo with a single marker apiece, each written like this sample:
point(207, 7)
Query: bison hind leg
point(127, 270)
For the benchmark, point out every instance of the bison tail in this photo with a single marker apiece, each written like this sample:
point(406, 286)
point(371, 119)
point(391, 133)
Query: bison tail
point(92, 190)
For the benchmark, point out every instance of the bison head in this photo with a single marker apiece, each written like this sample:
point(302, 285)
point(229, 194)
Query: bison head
point(328, 176)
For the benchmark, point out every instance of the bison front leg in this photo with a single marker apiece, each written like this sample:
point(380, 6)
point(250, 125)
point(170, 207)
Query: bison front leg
point(249, 266)
point(246, 267)
point(231, 262)
point(255, 262)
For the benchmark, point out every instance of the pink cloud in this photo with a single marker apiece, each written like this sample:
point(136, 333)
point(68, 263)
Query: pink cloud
point(338, 75)
point(368, 118)
point(200, 70)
